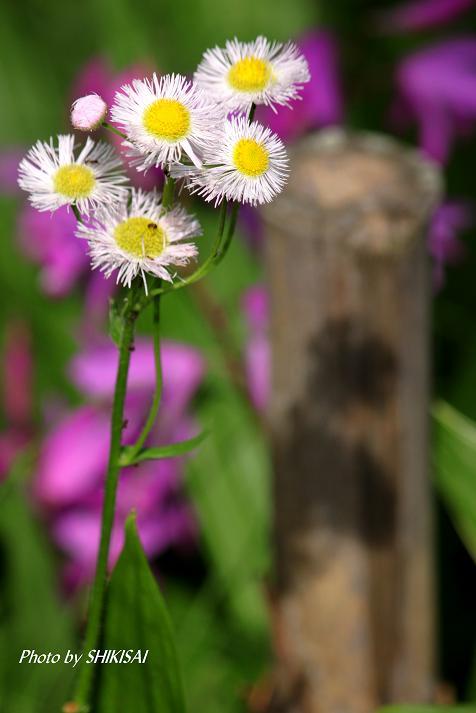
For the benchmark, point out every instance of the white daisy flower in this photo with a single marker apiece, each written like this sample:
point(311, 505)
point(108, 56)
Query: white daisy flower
point(248, 165)
point(137, 237)
point(259, 72)
point(54, 177)
point(164, 118)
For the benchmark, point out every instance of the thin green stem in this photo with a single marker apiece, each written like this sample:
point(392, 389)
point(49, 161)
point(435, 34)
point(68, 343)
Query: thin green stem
point(154, 409)
point(112, 128)
point(229, 235)
point(93, 628)
point(251, 114)
point(76, 212)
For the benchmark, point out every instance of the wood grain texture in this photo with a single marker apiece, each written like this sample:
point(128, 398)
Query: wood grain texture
point(348, 275)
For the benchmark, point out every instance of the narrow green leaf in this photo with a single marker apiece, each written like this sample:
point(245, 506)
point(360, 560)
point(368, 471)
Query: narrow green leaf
point(455, 465)
point(159, 452)
point(136, 619)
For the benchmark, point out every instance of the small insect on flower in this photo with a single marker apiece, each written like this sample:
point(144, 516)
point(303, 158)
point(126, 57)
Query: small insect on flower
point(138, 237)
point(248, 165)
point(164, 118)
point(259, 72)
point(54, 177)
point(88, 113)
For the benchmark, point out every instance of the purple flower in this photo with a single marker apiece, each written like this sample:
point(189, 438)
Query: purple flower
point(258, 357)
point(437, 88)
point(421, 14)
point(322, 97)
point(73, 459)
point(49, 240)
point(449, 219)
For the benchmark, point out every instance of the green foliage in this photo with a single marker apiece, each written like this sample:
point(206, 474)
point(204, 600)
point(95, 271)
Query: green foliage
point(31, 613)
point(170, 451)
point(455, 469)
point(136, 618)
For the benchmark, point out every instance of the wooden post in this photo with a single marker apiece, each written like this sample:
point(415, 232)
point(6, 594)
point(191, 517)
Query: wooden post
point(348, 276)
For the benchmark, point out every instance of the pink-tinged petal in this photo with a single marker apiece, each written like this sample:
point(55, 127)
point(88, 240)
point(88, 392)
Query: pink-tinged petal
point(94, 370)
point(49, 240)
point(421, 15)
point(321, 101)
point(9, 160)
point(73, 458)
point(18, 375)
point(88, 112)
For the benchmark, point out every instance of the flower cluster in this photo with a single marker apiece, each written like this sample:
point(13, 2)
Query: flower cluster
point(201, 131)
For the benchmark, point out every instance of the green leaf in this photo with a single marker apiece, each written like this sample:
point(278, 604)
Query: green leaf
point(455, 466)
point(136, 618)
point(159, 452)
point(32, 615)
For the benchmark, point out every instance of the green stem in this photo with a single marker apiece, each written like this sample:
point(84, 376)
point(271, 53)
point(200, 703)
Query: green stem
point(112, 128)
point(93, 628)
point(76, 212)
point(229, 236)
point(154, 409)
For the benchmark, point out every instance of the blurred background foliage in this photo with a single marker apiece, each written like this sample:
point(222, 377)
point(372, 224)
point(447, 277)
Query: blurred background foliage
point(216, 594)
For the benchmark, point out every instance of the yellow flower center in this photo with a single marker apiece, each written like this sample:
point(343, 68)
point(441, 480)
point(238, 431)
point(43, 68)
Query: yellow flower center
point(167, 119)
point(140, 237)
point(74, 181)
point(250, 157)
point(250, 74)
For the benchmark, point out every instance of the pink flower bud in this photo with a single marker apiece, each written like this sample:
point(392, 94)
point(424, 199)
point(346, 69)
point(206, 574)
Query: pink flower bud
point(87, 113)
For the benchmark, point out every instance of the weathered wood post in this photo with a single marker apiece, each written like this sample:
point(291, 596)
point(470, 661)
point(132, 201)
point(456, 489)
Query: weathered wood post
point(348, 275)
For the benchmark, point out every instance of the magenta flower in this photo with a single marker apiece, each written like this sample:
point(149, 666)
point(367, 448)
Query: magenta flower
point(449, 219)
point(73, 459)
point(322, 97)
point(257, 357)
point(437, 88)
point(48, 239)
point(421, 14)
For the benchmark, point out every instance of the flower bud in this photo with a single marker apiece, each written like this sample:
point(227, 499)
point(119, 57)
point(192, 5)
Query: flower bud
point(87, 113)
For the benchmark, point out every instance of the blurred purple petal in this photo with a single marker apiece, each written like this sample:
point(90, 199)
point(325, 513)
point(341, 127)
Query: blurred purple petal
point(258, 355)
point(322, 98)
point(421, 14)
point(437, 86)
point(449, 219)
point(74, 457)
point(93, 371)
point(49, 240)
